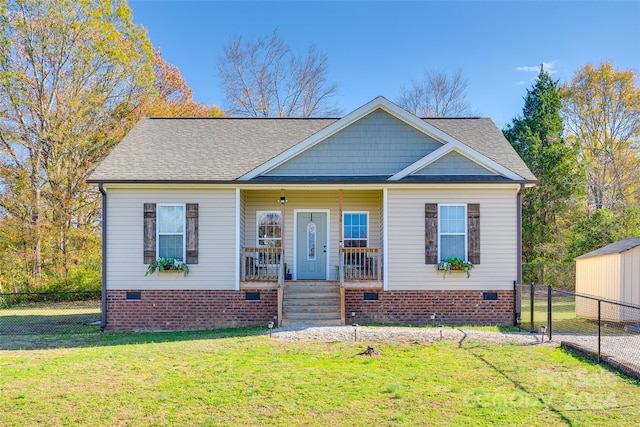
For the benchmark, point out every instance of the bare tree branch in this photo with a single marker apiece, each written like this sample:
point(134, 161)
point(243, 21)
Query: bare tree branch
point(265, 78)
point(437, 95)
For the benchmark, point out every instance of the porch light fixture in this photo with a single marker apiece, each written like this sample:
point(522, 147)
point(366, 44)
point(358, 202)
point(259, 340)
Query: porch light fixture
point(282, 200)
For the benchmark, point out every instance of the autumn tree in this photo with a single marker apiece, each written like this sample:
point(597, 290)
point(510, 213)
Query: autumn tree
point(537, 136)
point(602, 111)
point(172, 96)
point(72, 78)
point(266, 78)
point(436, 95)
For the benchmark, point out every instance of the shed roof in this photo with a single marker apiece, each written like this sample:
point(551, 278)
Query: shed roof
point(614, 248)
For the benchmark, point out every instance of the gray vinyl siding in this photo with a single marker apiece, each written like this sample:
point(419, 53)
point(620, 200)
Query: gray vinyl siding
point(301, 200)
point(216, 243)
point(406, 266)
point(378, 144)
point(454, 163)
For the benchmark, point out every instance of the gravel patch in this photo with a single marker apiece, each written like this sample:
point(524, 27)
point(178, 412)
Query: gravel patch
point(400, 334)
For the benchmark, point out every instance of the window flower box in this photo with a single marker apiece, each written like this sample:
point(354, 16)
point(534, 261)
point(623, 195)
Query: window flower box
point(167, 265)
point(454, 264)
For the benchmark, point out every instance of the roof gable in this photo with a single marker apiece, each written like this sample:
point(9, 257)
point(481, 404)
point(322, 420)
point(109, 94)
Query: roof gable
point(453, 163)
point(378, 103)
point(377, 144)
point(460, 148)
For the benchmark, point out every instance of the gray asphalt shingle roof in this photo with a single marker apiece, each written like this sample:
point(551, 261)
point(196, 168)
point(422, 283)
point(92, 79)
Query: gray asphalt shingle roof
point(210, 149)
point(614, 248)
point(224, 149)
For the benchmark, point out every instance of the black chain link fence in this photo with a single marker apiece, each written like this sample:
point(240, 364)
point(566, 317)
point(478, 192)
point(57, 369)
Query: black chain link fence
point(49, 313)
point(561, 275)
point(607, 331)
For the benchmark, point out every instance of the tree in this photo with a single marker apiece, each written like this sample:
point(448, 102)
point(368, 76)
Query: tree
point(602, 110)
point(437, 95)
point(265, 78)
point(72, 79)
point(601, 228)
point(537, 136)
point(173, 97)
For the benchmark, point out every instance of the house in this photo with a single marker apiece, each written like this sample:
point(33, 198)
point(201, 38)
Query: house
point(611, 272)
point(336, 220)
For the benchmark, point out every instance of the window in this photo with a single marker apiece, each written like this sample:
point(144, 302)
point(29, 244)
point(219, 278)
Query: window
point(269, 229)
point(452, 231)
point(151, 235)
point(311, 241)
point(452, 224)
point(171, 231)
point(356, 230)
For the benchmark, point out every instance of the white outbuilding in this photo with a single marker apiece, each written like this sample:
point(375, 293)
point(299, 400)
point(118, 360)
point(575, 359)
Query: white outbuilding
point(611, 272)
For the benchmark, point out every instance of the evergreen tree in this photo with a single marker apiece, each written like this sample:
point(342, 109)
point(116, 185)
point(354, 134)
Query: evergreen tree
point(537, 137)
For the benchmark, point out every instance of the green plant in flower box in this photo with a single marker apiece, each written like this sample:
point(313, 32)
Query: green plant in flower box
point(452, 264)
point(167, 264)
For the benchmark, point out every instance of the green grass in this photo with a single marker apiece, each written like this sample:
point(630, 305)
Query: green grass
point(242, 377)
point(564, 318)
point(50, 317)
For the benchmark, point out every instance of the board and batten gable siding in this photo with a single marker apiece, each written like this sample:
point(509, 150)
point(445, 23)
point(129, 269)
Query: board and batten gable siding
point(302, 200)
point(216, 268)
point(406, 268)
point(377, 144)
point(453, 164)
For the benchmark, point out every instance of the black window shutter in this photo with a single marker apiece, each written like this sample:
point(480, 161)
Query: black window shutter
point(149, 238)
point(473, 228)
point(431, 233)
point(192, 233)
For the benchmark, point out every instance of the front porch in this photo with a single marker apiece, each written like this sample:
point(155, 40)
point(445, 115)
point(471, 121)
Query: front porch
point(313, 239)
point(308, 234)
point(306, 301)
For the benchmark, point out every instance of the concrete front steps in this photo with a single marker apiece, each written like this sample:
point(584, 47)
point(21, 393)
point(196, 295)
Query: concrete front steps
point(314, 303)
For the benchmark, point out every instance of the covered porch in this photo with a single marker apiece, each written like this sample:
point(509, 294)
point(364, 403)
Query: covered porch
point(305, 236)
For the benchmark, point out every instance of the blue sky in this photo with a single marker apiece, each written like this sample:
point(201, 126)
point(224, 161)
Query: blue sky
point(374, 47)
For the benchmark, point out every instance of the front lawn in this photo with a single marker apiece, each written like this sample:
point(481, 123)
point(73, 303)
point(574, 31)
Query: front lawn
point(245, 378)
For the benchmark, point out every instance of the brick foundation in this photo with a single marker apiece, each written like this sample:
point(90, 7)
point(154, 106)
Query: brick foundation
point(171, 310)
point(416, 307)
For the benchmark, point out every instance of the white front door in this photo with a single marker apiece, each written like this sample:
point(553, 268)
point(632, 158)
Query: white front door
point(311, 245)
